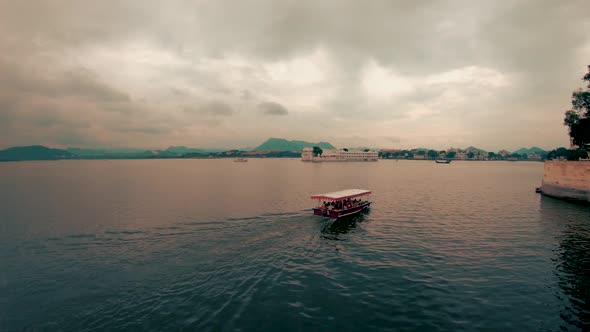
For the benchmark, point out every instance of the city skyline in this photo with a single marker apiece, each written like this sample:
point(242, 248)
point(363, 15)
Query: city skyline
point(222, 74)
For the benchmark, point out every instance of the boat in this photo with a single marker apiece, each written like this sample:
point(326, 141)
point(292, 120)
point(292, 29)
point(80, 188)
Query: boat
point(341, 203)
point(240, 160)
point(442, 161)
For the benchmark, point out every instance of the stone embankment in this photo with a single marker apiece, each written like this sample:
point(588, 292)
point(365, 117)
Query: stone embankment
point(567, 179)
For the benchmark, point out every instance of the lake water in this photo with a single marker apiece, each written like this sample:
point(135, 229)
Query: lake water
point(213, 245)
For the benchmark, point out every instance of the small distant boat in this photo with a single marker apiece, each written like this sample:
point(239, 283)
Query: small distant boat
point(442, 161)
point(240, 160)
point(342, 203)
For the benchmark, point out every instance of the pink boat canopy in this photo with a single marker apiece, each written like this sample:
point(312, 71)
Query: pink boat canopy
point(342, 194)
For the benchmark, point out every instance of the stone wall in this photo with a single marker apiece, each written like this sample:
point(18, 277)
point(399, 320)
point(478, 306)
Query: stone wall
point(567, 179)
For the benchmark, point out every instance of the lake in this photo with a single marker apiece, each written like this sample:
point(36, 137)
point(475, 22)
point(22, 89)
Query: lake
point(214, 245)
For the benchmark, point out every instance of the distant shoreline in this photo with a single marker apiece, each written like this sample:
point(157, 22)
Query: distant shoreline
point(155, 158)
point(233, 157)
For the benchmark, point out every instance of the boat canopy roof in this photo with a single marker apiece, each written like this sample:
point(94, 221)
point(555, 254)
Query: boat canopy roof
point(342, 194)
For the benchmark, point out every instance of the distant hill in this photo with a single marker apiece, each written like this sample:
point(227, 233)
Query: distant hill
point(280, 144)
point(534, 149)
point(473, 148)
point(34, 152)
point(124, 153)
point(184, 149)
point(101, 153)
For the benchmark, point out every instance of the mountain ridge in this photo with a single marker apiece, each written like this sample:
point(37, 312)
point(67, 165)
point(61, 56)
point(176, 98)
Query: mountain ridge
point(34, 152)
point(533, 149)
point(282, 144)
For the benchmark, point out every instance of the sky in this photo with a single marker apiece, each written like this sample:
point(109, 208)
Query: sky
point(388, 74)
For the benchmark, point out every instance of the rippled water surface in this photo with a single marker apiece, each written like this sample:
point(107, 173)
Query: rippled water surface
point(213, 245)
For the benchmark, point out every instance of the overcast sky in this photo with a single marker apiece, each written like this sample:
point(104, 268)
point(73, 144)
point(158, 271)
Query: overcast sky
point(397, 74)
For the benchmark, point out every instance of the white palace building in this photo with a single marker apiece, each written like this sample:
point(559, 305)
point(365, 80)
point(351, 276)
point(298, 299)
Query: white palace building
point(339, 155)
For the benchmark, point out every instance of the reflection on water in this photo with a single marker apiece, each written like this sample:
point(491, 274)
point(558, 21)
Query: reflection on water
point(572, 260)
point(343, 225)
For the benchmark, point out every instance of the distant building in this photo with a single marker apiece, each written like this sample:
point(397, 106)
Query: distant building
point(339, 155)
point(482, 155)
point(533, 156)
point(503, 153)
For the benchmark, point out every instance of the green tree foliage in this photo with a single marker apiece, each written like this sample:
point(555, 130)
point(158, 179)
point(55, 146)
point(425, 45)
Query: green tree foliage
point(567, 154)
point(432, 154)
point(580, 131)
point(451, 154)
point(578, 118)
point(470, 155)
point(317, 151)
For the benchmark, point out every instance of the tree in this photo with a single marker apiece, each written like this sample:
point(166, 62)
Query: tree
point(451, 154)
point(366, 150)
point(491, 155)
point(470, 155)
point(317, 151)
point(578, 118)
point(432, 154)
point(555, 154)
point(580, 132)
point(345, 149)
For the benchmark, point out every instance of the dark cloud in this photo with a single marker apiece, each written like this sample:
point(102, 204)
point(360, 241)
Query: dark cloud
point(218, 108)
point(247, 95)
point(213, 108)
point(81, 83)
point(85, 84)
point(272, 108)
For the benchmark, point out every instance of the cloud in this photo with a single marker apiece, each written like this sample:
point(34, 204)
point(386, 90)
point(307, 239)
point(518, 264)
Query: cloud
point(492, 74)
point(145, 130)
point(392, 139)
point(212, 108)
point(272, 108)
